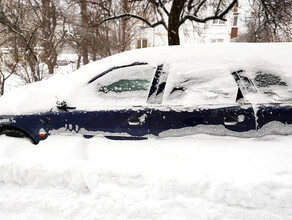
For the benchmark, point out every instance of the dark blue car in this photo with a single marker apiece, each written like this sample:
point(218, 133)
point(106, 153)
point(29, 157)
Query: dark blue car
point(238, 90)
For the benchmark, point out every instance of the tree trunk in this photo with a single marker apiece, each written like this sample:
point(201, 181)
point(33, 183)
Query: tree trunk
point(2, 83)
point(78, 60)
point(173, 22)
point(84, 20)
point(93, 40)
point(124, 23)
point(94, 53)
point(49, 23)
point(15, 48)
point(50, 67)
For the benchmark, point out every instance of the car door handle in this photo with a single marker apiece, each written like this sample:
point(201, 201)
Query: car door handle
point(231, 120)
point(230, 123)
point(134, 123)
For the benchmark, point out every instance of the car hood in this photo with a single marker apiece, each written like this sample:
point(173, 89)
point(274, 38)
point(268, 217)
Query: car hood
point(36, 97)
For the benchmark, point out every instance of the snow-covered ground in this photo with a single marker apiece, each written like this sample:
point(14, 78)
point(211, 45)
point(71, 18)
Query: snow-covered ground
point(198, 177)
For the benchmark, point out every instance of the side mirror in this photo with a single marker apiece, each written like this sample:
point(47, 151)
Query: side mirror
point(63, 106)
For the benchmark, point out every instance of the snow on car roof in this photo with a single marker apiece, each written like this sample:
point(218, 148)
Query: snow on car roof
point(213, 63)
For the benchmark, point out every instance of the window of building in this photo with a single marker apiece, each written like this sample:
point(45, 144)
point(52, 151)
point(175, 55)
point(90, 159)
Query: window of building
point(235, 20)
point(218, 22)
point(141, 43)
point(217, 40)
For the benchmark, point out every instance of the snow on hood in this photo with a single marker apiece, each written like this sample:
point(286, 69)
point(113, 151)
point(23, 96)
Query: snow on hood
point(207, 61)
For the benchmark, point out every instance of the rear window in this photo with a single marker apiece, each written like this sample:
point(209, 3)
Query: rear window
point(272, 86)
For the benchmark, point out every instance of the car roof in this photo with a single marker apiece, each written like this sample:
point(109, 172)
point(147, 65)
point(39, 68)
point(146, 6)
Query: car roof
point(266, 61)
point(202, 57)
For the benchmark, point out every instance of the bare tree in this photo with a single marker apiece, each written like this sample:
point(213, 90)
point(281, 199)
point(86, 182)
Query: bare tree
point(15, 17)
point(37, 30)
point(7, 69)
point(100, 41)
point(78, 15)
point(52, 32)
point(84, 23)
point(269, 21)
point(180, 11)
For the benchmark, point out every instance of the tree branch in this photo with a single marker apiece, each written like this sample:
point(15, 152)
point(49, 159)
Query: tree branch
point(232, 4)
point(199, 7)
point(218, 7)
point(213, 17)
point(128, 16)
point(163, 7)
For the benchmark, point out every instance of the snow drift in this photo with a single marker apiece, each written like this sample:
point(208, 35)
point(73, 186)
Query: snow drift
point(198, 177)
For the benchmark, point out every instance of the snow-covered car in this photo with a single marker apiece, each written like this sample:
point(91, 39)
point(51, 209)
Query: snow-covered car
point(223, 89)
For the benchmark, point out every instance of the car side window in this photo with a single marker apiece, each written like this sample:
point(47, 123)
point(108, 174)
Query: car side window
point(188, 86)
point(125, 85)
point(128, 85)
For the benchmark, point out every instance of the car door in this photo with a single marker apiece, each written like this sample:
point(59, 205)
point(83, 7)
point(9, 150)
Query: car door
point(274, 105)
point(114, 105)
point(180, 121)
point(192, 104)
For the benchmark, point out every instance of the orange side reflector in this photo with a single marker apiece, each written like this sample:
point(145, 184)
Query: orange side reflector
point(42, 135)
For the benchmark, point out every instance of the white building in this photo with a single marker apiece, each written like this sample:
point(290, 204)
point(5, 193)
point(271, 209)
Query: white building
point(216, 31)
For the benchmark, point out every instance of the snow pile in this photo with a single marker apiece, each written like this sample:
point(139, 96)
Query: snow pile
point(208, 65)
point(197, 177)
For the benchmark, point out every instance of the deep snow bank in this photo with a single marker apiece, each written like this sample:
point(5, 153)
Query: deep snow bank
point(198, 177)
